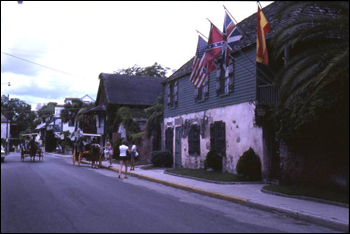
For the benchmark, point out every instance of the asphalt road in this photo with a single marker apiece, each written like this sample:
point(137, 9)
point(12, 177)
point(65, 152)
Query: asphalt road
point(54, 196)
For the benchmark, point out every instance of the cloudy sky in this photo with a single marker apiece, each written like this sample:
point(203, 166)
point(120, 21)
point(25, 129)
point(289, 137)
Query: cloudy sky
point(53, 50)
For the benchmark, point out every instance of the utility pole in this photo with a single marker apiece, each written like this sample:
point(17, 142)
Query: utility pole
point(7, 125)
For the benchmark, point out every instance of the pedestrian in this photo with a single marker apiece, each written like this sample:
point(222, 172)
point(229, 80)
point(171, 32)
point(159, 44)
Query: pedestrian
point(123, 156)
point(95, 151)
point(133, 156)
point(109, 153)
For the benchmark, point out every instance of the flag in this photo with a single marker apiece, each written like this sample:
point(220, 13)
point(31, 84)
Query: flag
point(263, 28)
point(231, 37)
point(212, 51)
point(198, 59)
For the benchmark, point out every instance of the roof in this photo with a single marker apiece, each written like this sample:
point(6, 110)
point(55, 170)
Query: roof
point(3, 119)
point(131, 90)
point(95, 110)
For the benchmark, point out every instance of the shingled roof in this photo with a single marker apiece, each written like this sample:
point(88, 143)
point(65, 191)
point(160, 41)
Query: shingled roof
point(131, 90)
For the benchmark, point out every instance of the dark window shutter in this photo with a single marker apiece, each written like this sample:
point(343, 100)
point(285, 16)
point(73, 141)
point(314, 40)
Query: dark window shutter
point(231, 76)
point(218, 81)
point(190, 141)
point(212, 137)
point(196, 93)
point(169, 139)
point(169, 95)
point(176, 88)
point(197, 140)
point(206, 88)
point(221, 138)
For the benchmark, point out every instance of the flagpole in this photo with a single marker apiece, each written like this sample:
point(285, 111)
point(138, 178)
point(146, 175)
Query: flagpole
point(201, 34)
point(242, 32)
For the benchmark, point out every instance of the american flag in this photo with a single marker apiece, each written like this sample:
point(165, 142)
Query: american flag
point(231, 37)
point(198, 59)
point(208, 63)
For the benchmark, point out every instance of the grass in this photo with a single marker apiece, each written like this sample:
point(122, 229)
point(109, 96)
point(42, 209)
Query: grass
point(307, 191)
point(207, 175)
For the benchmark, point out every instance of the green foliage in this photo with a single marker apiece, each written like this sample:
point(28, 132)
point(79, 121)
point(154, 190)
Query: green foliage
point(162, 158)
point(213, 160)
point(137, 137)
point(47, 111)
point(155, 70)
point(19, 112)
point(155, 118)
point(125, 117)
point(249, 165)
point(314, 85)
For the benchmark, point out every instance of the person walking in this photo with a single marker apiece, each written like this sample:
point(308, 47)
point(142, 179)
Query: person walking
point(133, 156)
point(123, 156)
point(95, 151)
point(109, 152)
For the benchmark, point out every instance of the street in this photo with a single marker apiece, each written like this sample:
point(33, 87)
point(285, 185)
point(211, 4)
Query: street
point(54, 196)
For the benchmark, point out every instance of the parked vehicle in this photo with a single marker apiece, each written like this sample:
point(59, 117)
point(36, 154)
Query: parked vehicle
point(2, 154)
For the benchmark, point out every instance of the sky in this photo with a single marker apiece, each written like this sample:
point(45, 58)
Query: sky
point(53, 50)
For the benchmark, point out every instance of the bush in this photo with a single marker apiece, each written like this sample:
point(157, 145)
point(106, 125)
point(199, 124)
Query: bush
point(213, 160)
point(249, 165)
point(162, 158)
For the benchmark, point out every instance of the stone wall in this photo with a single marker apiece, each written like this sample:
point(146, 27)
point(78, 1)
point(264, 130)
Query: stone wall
point(241, 133)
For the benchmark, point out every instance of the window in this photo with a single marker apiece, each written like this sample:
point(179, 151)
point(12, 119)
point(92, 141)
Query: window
point(194, 140)
point(172, 94)
point(169, 139)
point(218, 137)
point(202, 93)
point(224, 79)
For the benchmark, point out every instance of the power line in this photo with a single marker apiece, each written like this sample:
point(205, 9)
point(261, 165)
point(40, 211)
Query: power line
point(38, 64)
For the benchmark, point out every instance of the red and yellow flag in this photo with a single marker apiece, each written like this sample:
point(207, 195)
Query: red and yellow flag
point(263, 28)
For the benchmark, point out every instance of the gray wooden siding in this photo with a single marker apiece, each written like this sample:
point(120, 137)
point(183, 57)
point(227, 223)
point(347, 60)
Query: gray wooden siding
point(244, 89)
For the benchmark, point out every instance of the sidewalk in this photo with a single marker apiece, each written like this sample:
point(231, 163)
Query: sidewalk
point(251, 195)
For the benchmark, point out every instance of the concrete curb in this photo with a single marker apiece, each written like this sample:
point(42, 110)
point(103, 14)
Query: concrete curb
point(307, 198)
point(334, 224)
point(315, 219)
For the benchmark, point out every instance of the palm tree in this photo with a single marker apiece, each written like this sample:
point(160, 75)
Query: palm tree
point(318, 39)
point(314, 83)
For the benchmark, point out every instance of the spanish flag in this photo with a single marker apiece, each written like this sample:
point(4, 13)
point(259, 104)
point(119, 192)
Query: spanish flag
point(263, 28)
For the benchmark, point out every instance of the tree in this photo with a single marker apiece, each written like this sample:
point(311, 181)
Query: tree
point(19, 112)
point(155, 70)
point(47, 111)
point(77, 109)
point(312, 114)
point(315, 81)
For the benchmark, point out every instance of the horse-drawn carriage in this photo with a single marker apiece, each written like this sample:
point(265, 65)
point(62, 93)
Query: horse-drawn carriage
point(83, 151)
point(28, 153)
point(31, 149)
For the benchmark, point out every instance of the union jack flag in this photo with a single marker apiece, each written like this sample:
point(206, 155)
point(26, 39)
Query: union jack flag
point(215, 44)
point(231, 37)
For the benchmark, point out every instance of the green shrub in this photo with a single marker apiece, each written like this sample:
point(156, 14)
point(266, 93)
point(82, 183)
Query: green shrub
point(249, 165)
point(162, 158)
point(213, 160)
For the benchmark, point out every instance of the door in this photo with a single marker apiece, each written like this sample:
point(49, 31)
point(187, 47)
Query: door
point(178, 134)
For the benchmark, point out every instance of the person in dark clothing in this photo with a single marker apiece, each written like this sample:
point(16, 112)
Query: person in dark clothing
point(95, 151)
point(33, 148)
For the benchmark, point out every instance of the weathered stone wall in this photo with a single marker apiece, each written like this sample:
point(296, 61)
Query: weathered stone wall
point(241, 133)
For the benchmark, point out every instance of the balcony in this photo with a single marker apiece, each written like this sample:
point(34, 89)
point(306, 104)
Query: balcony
point(266, 94)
